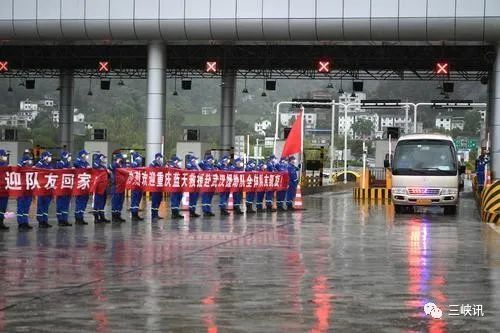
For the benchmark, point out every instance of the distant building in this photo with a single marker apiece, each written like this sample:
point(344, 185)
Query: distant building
point(352, 98)
point(483, 115)
point(78, 117)
point(261, 126)
point(28, 105)
point(310, 119)
point(208, 110)
point(449, 122)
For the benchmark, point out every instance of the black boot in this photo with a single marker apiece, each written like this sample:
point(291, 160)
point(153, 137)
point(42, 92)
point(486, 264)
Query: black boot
point(103, 218)
point(44, 225)
point(250, 209)
point(79, 221)
point(270, 209)
point(260, 210)
point(120, 218)
point(224, 212)
point(24, 227)
point(136, 217)
point(64, 224)
point(281, 209)
point(97, 219)
point(192, 213)
point(3, 226)
point(176, 215)
point(208, 214)
point(238, 211)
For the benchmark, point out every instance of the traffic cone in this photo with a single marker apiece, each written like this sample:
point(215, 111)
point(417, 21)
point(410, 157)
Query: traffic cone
point(185, 201)
point(298, 199)
point(230, 201)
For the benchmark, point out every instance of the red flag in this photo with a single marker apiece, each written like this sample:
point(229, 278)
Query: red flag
point(293, 143)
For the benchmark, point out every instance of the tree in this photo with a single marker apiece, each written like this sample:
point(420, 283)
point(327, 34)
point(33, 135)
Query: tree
point(472, 121)
point(362, 127)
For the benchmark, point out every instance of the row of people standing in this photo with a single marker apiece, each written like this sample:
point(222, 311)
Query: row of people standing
point(284, 202)
point(284, 198)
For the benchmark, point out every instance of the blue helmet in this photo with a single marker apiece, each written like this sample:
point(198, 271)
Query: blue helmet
point(158, 155)
point(251, 161)
point(3, 152)
point(136, 156)
point(46, 154)
point(82, 152)
point(65, 155)
point(291, 158)
point(119, 155)
point(208, 157)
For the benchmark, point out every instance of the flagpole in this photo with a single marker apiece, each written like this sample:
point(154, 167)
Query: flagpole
point(301, 142)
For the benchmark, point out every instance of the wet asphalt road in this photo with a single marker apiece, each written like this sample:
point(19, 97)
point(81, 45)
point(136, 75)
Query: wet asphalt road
point(339, 266)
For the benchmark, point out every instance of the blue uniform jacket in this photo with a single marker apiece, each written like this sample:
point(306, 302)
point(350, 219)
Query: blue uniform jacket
point(81, 164)
point(191, 166)
point(43, 165)
point(293, 176)
point(63, 165)
point(204, 165)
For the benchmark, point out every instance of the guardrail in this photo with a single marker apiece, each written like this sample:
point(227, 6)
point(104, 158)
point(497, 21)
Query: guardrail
point(311, 181)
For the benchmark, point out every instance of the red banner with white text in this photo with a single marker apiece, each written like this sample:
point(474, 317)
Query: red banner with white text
point(177, 180)
point(16, 181)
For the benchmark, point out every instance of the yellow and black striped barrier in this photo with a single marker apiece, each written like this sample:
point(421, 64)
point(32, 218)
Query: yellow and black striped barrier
point(490, 203)
point(372, 193)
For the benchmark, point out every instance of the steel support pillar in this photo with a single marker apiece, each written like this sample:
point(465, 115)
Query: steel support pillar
point(155, 116)
point(228, 96)
point(66, 86)
point(494, 125)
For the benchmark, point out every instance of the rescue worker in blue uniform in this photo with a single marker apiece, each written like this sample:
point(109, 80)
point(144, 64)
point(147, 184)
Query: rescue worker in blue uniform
point(136, 196)
point(259, 197)
point(156, 197)
point(81, 201)
point(206, 197)
point(192, 164)
point(63, 201)
point(43, 202)
point(238, 195)
point(282, 166)
point(116, 198)
point(224, 165)
point(293, 181)
point(271, 167)
point(99, 163)
point(4, 200)
point(481, 162)
point(176, 197)
point(250, 196)
point(24, 202)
